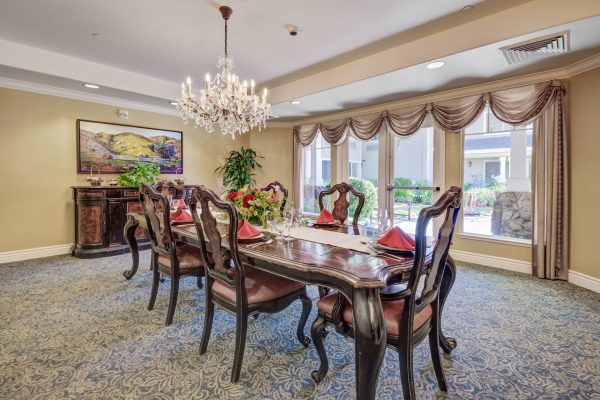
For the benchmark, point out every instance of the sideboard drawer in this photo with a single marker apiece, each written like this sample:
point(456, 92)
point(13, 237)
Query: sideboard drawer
point(94, 194)
point(131, 193)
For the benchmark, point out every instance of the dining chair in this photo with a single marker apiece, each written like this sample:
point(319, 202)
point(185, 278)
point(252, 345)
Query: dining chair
point(341, 204)
point(235, 286)
point(171, 259)
point(410, 315)
point(275, 187)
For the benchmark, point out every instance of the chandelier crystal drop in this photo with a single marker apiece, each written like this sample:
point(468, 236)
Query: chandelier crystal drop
point(225, 99)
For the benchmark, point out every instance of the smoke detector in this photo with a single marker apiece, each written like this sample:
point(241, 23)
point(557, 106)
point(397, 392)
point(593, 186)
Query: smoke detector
point(557, 43)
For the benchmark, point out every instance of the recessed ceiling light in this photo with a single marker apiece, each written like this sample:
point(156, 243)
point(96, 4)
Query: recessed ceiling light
point(173, 103)
point(295, 102)
point(467, 8)
point(436, 64)
point(91, 86)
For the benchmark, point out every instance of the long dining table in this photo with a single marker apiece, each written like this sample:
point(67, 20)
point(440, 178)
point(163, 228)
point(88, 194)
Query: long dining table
point(363, 278)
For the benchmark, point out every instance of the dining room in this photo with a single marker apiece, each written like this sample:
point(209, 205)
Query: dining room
point(372, 201)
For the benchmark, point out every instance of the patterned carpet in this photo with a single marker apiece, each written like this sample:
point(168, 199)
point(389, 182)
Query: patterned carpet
point(75, 329)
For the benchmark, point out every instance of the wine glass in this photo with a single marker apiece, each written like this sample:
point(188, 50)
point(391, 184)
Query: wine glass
point(288, 221)
point(299, 213)
point(383, 222)
point(273, 221)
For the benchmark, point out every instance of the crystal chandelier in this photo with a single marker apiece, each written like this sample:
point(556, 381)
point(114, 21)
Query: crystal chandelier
point(225, 100)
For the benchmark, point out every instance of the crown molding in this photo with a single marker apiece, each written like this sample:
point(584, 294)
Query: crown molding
point(84, 96)
point(584, 65)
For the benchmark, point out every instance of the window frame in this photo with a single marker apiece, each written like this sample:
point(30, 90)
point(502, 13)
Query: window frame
point(475, 236)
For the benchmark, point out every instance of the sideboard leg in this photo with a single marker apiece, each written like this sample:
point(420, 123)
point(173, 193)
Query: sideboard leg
point(129, 233)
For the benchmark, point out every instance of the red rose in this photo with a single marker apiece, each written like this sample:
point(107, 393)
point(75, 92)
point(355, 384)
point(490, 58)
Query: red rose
point(232, 195)
point(247, 198)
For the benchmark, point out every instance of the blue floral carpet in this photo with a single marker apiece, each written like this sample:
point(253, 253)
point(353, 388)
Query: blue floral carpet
point(75, 329)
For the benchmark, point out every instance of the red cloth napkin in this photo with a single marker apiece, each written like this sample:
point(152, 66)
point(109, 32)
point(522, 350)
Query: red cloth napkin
point(182, 204)
point(246, 230)
point(181, 216)
point(398, 239)
point(325, 217)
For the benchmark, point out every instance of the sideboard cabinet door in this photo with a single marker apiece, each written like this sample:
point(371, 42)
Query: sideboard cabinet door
point(91, 220)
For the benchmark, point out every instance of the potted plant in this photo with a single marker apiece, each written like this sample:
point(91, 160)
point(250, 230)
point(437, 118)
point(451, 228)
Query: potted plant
point(140, 173)
point(238, 168)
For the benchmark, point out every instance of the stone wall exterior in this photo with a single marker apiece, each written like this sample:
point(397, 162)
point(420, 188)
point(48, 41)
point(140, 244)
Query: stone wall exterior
point(511, 216)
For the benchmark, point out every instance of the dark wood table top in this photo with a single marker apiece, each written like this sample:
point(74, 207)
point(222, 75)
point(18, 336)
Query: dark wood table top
point(357, 269)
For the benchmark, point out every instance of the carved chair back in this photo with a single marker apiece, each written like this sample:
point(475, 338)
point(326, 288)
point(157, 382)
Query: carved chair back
point(341, 204)
point(159, 224)
point(220, 263)
point(276, 187)
point(169, 188)
point(448, 204)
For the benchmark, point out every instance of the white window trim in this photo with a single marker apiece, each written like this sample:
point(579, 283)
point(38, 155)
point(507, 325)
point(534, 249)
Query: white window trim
point(474, 236)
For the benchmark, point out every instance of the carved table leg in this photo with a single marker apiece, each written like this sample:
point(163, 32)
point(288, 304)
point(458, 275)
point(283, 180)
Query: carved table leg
point(370, 340)
point(448, 344)
point(129, 233)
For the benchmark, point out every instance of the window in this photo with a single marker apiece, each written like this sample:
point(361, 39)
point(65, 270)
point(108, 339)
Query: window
point(497, 178)
point(363, 173)
point(413, 166)
point(316, 173)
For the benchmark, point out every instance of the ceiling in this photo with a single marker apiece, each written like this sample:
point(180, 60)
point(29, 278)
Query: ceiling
point(462, 69)
point(144, 48)
point(170, 39)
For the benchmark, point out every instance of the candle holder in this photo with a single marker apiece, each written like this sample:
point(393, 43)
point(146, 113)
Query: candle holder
point(95, 180)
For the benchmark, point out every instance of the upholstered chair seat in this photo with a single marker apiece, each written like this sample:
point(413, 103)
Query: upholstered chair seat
point(189, 258)
point(261, 287)
point(392, 311)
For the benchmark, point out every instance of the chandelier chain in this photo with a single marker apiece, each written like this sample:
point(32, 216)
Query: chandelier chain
point(225, 38)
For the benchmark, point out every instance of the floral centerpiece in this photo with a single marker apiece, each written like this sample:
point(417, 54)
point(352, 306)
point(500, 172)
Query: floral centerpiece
point(253, 204)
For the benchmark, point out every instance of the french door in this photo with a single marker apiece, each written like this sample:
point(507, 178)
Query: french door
point(415, 175)
point(407, 173)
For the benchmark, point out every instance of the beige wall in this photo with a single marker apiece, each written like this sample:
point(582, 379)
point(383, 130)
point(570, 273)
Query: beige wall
point(276, 146)
point(38, 162)
point(584, 133)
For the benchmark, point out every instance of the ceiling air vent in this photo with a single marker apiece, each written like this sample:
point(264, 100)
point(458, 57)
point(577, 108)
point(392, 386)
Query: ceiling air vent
point(557, 43)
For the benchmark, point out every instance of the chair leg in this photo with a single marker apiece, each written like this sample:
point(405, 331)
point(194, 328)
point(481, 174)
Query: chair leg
point(318, 333)
point(173, 299)
point(208, 320)
point(240, 344)
point(406, 371)
point(199, 282)
point(306, 307)
point(434, 335)
point(154, 290)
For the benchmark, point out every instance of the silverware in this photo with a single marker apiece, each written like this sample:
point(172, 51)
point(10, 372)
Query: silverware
point(253, 245)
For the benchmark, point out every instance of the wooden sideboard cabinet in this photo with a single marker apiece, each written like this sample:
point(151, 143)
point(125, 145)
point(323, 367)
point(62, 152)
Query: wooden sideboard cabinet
point(101, 214)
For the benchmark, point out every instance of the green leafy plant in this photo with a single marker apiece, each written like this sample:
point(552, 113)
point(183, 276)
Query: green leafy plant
point(238, 168)
point(368, 189)
point(139, 173)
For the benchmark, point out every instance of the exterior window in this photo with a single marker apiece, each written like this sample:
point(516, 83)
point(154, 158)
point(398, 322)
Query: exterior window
point(363, 174)
point(413, 166)
point(316, 173)
point(497, 178)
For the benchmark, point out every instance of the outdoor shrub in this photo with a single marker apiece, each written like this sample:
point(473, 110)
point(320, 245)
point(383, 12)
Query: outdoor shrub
point(368, 189)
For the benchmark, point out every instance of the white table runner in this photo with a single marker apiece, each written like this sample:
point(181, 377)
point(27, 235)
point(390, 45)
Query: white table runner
point(344, 240)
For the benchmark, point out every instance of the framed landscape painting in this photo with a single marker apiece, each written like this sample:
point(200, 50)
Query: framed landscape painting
point(115, 147)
